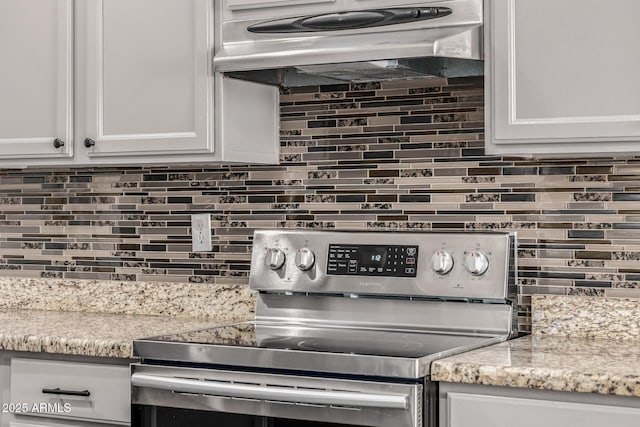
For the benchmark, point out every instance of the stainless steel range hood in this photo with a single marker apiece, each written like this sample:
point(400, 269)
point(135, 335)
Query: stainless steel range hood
point(347, 43)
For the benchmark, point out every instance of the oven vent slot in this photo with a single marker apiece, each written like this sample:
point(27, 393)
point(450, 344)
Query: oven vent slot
point(183, 393)
point(244, 399)
point(350, 408)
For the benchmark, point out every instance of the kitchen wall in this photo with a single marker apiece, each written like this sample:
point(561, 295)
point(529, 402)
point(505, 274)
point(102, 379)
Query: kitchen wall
point(380, 156)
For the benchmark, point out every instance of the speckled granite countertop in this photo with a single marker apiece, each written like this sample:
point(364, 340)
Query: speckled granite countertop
point(223, 303)
point(578, 344)
point(85, 334)
point(549, 363)
point(102, 318)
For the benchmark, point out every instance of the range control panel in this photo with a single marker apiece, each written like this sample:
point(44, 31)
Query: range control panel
point(372, 260)
point(428, 264)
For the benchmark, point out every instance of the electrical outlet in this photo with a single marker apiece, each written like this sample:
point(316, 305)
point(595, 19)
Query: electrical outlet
point(201, 233)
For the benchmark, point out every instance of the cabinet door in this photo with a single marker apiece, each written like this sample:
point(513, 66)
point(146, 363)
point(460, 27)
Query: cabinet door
point(248, 121)
point(144, 78)
point(562, 77)
point(472, 410)
point(36, 78)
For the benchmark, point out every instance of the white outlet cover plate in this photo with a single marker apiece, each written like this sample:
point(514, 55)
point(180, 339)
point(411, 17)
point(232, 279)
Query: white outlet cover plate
point(201, 233)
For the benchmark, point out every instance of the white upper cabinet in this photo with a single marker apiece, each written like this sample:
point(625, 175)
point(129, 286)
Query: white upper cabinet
point(248, 121)
point(562, 77)
point(140, 73)
point(36, 79)
point(144, 78)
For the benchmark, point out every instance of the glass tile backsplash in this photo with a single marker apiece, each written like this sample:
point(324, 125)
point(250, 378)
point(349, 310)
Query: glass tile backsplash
point(405, 155)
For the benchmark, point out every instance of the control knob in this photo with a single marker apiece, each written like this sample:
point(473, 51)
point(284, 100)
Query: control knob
point(442, 262)
point(476, 263)
point(305, 259)
point(274, 258)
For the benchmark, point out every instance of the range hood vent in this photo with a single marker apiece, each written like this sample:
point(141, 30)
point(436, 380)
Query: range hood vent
point(405, 39)
point(365, 71)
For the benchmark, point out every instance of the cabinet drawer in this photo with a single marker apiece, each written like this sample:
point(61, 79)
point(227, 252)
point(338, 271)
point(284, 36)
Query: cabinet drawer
point(71, 390)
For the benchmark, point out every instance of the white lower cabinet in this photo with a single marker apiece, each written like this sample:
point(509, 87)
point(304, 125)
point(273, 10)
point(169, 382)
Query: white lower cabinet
point(473, 406)
point(67, 393)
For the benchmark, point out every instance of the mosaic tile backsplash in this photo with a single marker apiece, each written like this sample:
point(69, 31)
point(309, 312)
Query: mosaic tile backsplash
point(404, 155)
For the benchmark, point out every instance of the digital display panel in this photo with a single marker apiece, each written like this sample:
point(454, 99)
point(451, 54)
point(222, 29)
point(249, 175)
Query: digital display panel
point(372, 260)
point(374, 256)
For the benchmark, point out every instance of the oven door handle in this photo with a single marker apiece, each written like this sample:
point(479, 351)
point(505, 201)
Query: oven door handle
point(250, 391)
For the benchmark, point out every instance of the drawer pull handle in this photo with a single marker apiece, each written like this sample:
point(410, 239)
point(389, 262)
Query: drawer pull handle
point(85, 393)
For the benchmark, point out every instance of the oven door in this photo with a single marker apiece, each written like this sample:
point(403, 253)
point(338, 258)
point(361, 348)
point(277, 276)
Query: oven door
point(171, 396)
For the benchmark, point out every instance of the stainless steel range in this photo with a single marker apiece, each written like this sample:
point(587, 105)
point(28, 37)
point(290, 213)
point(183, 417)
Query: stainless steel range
point(347, 325)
